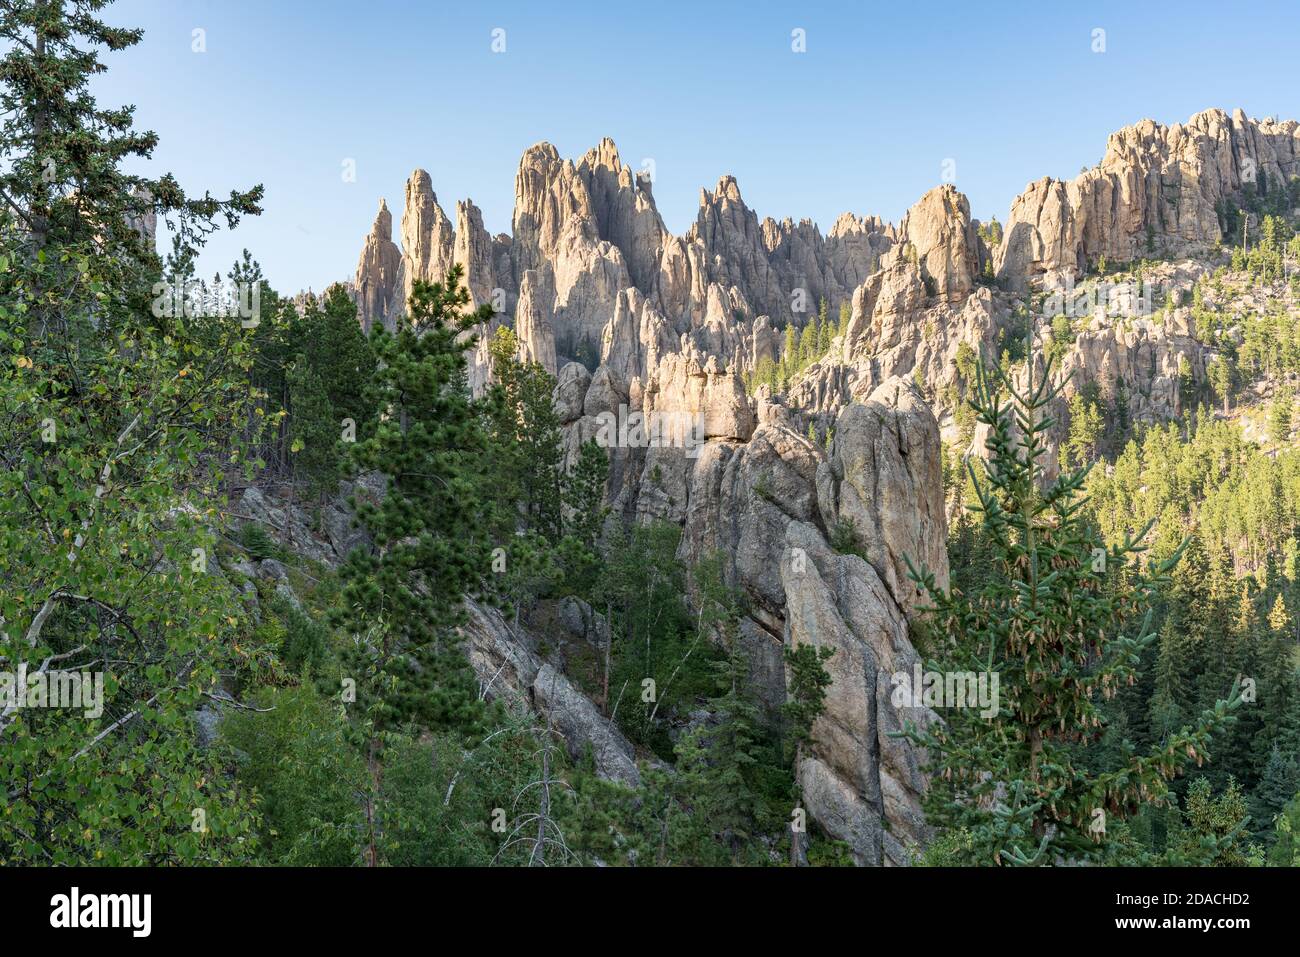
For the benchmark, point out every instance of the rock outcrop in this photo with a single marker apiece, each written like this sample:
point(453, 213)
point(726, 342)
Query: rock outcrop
point(377, 277)
point(534, 327)
point(1159, 189)
point(639, 323)
point(768, 506)
point(428, 236)
point(510, 671)
point(938, 236)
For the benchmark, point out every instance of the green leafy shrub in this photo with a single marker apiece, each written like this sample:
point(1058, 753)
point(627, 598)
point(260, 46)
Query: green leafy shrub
point(309, 778)
point(845, 538)
point(258, 542)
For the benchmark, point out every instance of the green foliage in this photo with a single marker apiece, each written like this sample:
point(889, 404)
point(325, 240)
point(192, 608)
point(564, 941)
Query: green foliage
point(531, 572)
point(654, 639)
point(1265, 260)
point(1086, 428)
point(524, 432)
point(305, 645)
point(339, 354)
point(718, 761)
point(313, 433)
point(805, 694)
point(1014, 333)
point(1280, 417)
point(1215, 828)
point(1236, 496)
point(800, 350)
point(1278, 786)
point(307, 776)
point(547, 520)
point(846, 539)
point(258, 543)
point(991, 233)
point(1286, 847)
point(317, 365)
point(64, 178)
point(1064, 631)
point(441, 797)
point(730, 791)
point(951, 848)
point(966, 362)
point(117, 425)
point(1062, 337)
point(401, 603)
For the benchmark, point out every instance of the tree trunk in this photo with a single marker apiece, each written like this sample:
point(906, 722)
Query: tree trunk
point(798, 854)
point(539, 847)
point(609, 640)
point(376, 782)
point(40, 125)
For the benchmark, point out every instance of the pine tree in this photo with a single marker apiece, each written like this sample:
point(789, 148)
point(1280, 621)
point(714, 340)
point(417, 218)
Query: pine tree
point(808, 345)
point(401, 603)
point(721, 756)
point(526, 437)
point(531, 573)
point(1279, 682)
point(1063, 624)
point(583, 494)
point(821, 332)
point(313, 431)
point(1242, 646)
point(1220, 598)
point(1170, 688)
point(1278, 785)
point(790, 352)
point(340, 355)
point(806, 682)
point(63, 180)
point(1223, 374)
point(1286, 835)
point(1279, 420)
point(1216, 827)
point(1085, 428)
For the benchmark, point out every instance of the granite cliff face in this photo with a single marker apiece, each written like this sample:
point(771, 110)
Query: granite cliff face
point(585, 233)
point(1158, 189)
point(768, 506)
point(378, 271)
point(633, 319)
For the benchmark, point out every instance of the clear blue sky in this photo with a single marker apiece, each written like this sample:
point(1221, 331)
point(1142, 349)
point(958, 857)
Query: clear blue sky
point(863, 121)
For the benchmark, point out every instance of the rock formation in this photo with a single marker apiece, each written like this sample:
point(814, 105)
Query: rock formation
point(1158, 189)
point(377, 279)
point(938, 233)
point(768, 506)
point(636, 321)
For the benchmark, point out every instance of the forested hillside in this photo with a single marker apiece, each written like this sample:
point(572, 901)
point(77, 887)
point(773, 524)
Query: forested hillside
point(596, 545)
